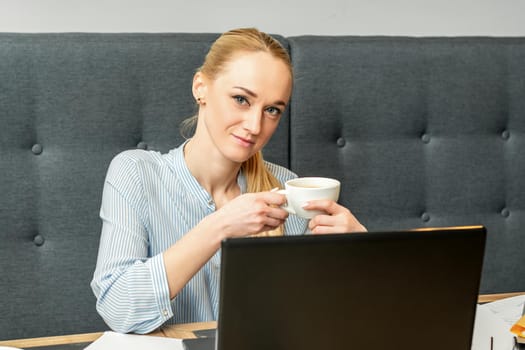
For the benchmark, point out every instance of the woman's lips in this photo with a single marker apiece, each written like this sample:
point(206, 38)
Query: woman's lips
point(244, 142)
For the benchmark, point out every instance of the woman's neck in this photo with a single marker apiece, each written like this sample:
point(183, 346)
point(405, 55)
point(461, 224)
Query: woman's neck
point(215, 174)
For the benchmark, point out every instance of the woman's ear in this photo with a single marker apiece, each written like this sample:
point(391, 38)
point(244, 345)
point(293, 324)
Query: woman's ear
point(199, 87)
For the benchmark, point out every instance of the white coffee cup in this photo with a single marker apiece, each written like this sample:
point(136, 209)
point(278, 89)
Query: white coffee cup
point(301, 190)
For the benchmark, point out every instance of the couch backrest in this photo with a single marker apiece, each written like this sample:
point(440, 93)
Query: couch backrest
point(422, 132)
point(68, 104)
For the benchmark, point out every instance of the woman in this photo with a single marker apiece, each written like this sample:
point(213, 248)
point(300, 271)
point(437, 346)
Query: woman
point(164, 215)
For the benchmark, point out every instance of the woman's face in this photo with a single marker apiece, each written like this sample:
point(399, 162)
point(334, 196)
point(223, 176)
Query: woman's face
point(244, 103)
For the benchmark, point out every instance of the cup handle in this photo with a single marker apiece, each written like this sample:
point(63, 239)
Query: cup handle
point(286, 206)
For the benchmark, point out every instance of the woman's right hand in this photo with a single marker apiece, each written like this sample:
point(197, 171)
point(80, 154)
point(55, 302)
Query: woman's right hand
point(251, 213)
point(245, 215)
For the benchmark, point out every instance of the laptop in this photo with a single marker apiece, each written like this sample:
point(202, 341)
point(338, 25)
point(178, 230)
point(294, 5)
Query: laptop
point(405, 290)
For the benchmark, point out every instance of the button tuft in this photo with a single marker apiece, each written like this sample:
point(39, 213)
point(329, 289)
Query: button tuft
point(341, 142)
point(37, 149)
point(505, 134)
point(425, 138)
point(505, 212)
point(142, 145)
point(38, 240)
point(425, 217)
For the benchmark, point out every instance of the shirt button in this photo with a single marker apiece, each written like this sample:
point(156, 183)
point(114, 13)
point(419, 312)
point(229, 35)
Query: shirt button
point(165, 312)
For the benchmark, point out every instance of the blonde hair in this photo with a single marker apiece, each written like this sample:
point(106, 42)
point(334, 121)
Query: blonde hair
point(258, 177)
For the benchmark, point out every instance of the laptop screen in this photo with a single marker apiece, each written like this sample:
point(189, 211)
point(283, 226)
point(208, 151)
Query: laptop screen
point(398, 290)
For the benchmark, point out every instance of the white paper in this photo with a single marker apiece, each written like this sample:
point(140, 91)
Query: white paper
point(486, 326)
point(509, 309)
point(113, 340)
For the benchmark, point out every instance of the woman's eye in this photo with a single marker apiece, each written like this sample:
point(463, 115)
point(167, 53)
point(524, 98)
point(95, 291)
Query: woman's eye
point(274, 111)
point(240, 99)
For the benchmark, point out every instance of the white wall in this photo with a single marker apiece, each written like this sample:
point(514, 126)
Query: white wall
point(287, 17)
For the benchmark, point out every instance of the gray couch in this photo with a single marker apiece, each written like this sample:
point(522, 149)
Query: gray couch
point(421, 132)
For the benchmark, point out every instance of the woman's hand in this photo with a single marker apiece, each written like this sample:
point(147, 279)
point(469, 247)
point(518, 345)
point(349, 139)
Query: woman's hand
point(251, 213)
point(337, 219)
point(244, 215)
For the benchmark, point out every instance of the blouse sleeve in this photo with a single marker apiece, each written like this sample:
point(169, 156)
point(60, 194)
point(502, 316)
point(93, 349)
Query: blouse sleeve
point(130, 286)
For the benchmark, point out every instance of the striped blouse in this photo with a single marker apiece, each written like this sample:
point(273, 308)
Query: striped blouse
point(150, 200)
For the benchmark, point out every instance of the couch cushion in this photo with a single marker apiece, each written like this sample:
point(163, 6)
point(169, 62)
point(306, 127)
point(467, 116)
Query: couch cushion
point(68, 104)
point(422, 132)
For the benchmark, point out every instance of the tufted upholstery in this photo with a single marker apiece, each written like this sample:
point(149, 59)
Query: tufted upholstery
point(68, 104)
point(421, 131)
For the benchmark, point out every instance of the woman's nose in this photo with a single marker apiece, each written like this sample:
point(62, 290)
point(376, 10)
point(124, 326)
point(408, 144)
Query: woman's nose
point(252, 123)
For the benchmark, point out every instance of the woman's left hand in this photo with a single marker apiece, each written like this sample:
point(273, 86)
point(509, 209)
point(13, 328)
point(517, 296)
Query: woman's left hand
point(337, 219)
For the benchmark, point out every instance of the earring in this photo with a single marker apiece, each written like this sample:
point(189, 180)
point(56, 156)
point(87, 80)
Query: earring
point(200, 100)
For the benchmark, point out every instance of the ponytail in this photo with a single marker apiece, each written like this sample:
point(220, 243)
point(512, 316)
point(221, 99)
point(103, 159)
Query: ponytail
point(258, 179)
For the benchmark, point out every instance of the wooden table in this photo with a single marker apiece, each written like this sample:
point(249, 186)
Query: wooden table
point(180, 331)
point(487, 298)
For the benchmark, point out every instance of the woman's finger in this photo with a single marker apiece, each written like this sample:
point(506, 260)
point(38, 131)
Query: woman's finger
point(320, 230)
point(326, 205)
